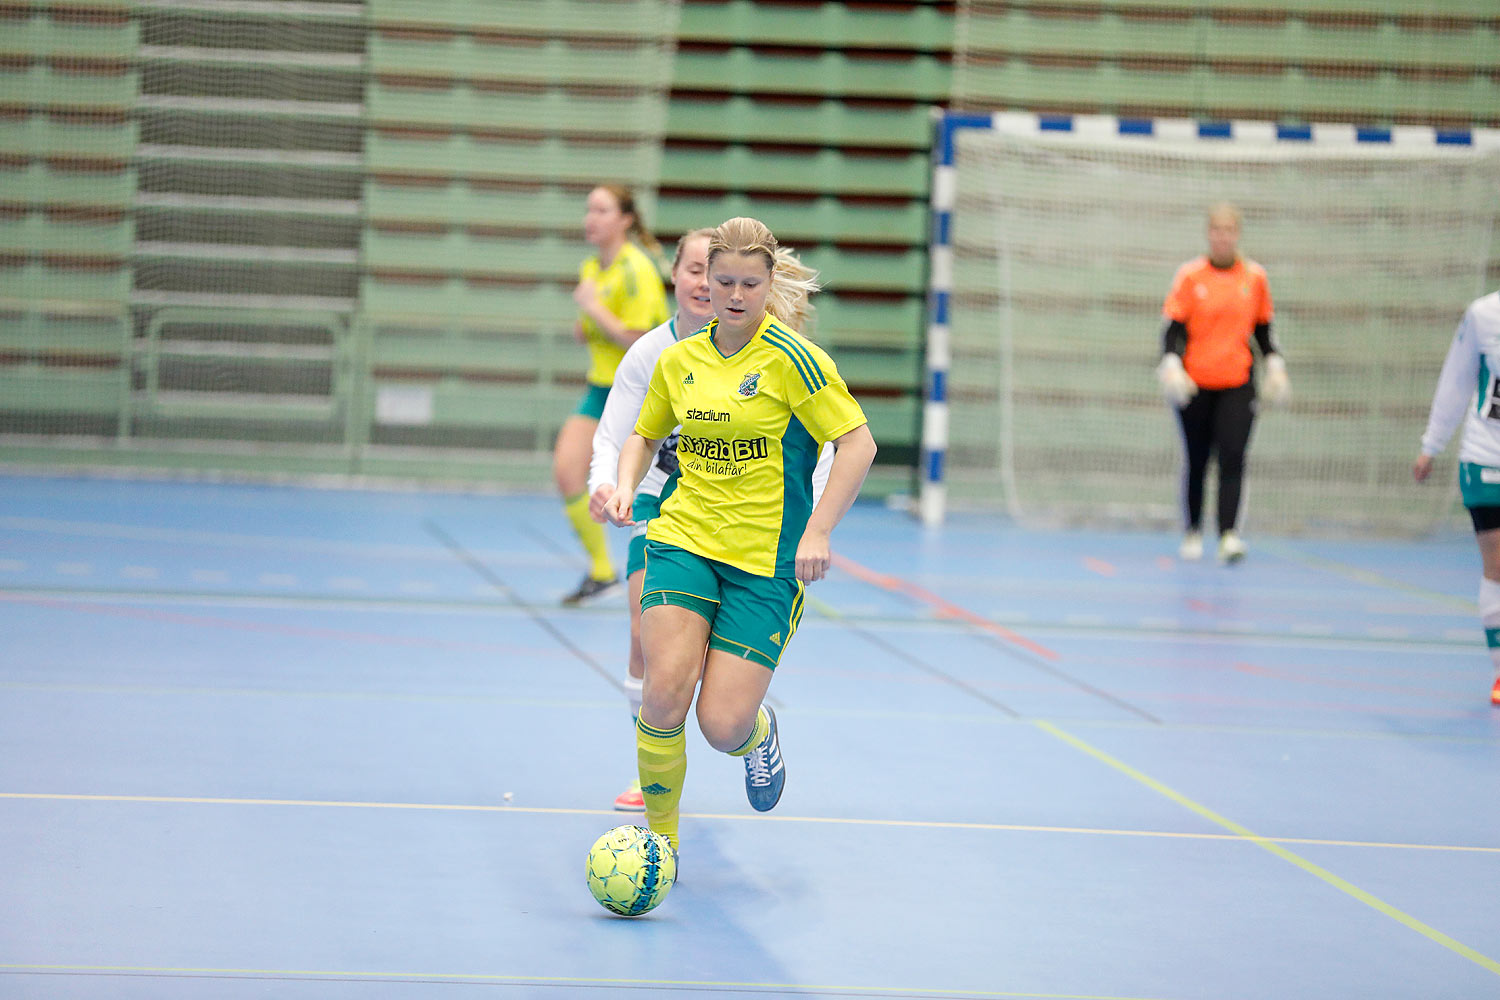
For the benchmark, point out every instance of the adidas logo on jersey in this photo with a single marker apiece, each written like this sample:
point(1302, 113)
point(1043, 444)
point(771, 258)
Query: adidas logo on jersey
point(688, 380)
point(776, 638)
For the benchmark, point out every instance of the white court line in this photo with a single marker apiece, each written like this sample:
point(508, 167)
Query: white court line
point(917, 824)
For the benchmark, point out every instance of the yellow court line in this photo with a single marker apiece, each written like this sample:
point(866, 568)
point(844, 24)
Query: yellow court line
point(1275, 848)
point(1245, 836)
point(1367, 576)
point(478, 977)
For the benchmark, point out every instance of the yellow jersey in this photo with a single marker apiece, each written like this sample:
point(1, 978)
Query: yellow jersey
point(630, 288)
point(752, 426)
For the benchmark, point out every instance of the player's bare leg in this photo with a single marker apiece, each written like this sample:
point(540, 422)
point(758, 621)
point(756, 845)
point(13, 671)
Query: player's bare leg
point(735, 721)
point(1489, 601)
point(672, 641)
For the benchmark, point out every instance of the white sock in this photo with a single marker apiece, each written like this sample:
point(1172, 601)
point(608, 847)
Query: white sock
point(1489, 616)
point(633, 687)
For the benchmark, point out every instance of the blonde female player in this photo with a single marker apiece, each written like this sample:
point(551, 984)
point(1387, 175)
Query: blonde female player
point(735, 543)
point(619, 296)
point(694, 310)
point(1472, 364)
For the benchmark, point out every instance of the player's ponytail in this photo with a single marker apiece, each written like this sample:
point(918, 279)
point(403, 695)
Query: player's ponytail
point(638, 230)
point(793, 282)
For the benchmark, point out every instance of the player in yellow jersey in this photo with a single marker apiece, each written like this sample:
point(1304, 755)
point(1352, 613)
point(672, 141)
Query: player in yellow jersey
point(737, 536)
point(620, 296)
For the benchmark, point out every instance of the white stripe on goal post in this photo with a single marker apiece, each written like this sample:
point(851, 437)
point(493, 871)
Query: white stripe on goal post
point(932, 501)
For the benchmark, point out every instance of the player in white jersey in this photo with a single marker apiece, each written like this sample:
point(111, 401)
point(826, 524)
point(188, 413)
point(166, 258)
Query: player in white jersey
point(1468, 390)
point(690, 279)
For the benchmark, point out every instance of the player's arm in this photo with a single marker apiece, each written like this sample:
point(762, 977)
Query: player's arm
point(586, 295)
point(1173, 336)
point(642, 306)
point(854, 451)
point(1176, 385)
point(655, 422)
point(1455, 388)
point(615, 425)
point(635, 459)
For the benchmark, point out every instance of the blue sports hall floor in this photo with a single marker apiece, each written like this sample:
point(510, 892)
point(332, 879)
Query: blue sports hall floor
point(273, 741)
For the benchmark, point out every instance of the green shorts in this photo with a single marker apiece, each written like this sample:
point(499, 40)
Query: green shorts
point(748, 615)
point(1479, 485)
point(592, 404)
point(642, 509)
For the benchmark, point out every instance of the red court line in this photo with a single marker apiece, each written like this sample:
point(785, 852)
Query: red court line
point(942, 607)
point(1098, 566)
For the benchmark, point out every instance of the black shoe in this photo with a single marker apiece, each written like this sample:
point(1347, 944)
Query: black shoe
point(589, 590)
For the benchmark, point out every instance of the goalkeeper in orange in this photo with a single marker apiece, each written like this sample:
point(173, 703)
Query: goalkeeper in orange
point(1217, 305)
point(738, 535)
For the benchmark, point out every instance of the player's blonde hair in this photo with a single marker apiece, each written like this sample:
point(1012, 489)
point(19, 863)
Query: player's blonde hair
point(792, 282)
point(682, 242)
point(1226, 210)
point(638, 231)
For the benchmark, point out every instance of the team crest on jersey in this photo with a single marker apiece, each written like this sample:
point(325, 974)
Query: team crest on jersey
point(751, 385)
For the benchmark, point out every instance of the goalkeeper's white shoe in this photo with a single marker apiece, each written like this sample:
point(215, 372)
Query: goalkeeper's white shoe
point(1192, 546)
point(1231, 548)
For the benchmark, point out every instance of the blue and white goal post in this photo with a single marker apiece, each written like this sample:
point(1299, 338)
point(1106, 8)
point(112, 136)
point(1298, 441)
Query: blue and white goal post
point(1212, 141)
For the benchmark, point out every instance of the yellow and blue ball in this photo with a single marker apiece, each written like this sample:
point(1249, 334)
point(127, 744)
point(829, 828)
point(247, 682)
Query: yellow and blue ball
point(630, 870)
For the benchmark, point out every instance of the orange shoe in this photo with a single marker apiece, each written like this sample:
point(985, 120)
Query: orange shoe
point(1495, 693)
point(631, 800)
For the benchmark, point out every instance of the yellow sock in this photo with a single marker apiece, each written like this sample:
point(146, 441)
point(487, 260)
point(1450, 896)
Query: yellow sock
point(591, 533)
point(761, 730)
point(661, 755)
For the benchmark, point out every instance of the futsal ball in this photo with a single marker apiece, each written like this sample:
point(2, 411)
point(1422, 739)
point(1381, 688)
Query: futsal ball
point(630, 870)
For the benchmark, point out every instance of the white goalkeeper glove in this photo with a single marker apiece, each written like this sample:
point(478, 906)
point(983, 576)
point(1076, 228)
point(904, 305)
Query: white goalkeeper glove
point(1276, 387)
point(1176, 386)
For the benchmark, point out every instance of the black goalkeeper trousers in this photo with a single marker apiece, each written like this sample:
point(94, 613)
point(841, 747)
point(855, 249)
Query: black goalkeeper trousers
point(1216, 423)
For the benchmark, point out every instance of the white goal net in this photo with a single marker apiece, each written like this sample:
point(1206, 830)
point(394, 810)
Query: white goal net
point(1064, 247)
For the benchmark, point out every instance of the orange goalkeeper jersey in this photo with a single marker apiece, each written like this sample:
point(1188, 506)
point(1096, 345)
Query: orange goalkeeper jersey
point(1220, 306)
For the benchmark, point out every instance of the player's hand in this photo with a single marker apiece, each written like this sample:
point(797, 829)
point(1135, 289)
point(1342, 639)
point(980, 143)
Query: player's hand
point(597, 501)
point(586, 295)
point(1421, 468)
point(617, 509)
point(813, 556)
point(1277, 388)
point(578, 333)
point(1176, 386)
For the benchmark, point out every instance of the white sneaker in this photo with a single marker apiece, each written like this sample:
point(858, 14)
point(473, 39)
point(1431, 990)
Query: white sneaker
point(1231, 549)
point(1192, 546)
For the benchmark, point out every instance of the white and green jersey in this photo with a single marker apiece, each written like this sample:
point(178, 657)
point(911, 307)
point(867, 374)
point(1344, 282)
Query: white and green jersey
point(624, 406)
point(1468, 389)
